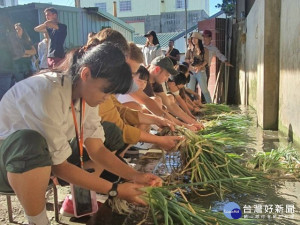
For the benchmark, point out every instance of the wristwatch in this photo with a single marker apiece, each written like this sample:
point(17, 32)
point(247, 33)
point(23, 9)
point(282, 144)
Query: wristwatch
point(113, 192)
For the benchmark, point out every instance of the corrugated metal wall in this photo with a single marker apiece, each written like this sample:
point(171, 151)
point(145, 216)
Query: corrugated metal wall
point(126, 33)
point(79, 23)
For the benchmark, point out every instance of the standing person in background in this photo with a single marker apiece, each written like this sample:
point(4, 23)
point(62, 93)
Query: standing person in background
point(23, 65)
point(190, 44)
point(213, 51)
point(198, 59)
point(152, 48)
point(173, 53)
point(10, 48)
point(43, 52)
point(57, 34)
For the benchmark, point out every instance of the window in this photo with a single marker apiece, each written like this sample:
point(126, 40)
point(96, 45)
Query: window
point(101, 6)
point(125, 5)
point(180, 4)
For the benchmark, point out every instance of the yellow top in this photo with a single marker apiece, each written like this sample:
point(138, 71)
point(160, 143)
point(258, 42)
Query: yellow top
point(125, 118)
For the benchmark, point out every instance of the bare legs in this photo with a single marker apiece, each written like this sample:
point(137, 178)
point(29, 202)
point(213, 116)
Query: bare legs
point(30, 188)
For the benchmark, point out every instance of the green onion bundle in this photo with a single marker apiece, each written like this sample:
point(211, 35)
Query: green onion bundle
point(283, 158)
point(204, 161)
point(211, 111)
point(228, 129)
point(168, 208)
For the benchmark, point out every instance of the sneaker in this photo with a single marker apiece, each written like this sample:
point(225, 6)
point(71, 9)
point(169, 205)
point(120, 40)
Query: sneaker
point(132, 151)
point(143, 145)
point(67, 207)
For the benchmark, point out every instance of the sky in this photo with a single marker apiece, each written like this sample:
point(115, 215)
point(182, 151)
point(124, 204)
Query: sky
point(212, 8)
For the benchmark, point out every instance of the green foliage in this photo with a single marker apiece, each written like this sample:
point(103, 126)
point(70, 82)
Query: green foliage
point(286, 159)
point(228, 6)
point(204, 161)
point(168, 208)
point(229, 129)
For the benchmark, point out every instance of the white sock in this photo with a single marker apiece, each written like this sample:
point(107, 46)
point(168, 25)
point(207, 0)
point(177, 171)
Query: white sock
point(40, 219)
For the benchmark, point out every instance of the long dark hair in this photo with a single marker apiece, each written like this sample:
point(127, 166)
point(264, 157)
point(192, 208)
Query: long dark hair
point(104, 61)
point(201, 46)
point(25, 37)
point(155, 39)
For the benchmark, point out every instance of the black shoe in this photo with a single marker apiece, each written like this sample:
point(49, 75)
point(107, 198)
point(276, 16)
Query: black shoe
point(132, 151)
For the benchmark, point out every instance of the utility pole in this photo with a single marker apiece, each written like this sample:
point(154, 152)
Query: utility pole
point(186, 22)
point(77, 3)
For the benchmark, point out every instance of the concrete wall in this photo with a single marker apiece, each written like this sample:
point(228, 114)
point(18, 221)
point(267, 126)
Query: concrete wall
point(289, 97)
point(254, 46)
point(269, 68)
point(262, 61)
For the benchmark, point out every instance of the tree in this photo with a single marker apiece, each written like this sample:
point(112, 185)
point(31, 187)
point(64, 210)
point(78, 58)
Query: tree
point(228, 7)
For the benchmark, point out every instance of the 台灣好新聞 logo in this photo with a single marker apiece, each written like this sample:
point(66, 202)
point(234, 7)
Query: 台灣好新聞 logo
point(232, 210)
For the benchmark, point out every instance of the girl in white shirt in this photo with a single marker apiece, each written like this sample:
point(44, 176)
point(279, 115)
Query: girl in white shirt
point(37, 122)
point(152, 49)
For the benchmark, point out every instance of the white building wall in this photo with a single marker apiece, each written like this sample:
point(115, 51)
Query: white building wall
point(6, 3)
point(170, 5)
point(138, 7)
point(148, 7)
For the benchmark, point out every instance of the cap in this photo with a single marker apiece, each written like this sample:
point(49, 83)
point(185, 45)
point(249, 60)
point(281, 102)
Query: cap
point(207, 33)
point(196, 35)
point(151, 32)
point(165, 63)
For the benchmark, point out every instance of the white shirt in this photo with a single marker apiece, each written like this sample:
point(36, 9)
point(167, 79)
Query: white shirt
point(150, 53)
point(125, 98)
point(43, 52)
point(214, 51)
point(42, 104)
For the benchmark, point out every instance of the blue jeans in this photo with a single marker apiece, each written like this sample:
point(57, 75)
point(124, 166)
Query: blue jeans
point(6, 82)
point(202, 81)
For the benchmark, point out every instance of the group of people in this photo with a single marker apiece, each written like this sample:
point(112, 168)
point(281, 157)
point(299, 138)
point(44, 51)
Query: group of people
point(28, 60)
point(198, 58)
point(94, 102)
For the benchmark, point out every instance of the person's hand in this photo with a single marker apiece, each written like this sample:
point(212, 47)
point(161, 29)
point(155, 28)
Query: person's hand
point(162, 122)
point(169, 143)
point(197, 96)
point(51, 24)
point(196, 69)
point(199, 68)
point(190, 127)
point(198, 125)
point(131, 192)
point(196, 109)
point(148, 179)
point(228, 64)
